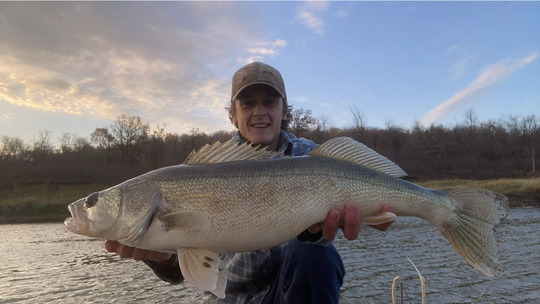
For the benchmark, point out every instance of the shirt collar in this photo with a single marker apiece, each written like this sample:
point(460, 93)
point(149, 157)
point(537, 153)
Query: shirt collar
point(284, 144)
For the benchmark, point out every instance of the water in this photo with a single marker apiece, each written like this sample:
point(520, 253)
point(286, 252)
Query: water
point(43, 263)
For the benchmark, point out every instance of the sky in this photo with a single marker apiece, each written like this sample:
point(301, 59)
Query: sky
point(72, 67)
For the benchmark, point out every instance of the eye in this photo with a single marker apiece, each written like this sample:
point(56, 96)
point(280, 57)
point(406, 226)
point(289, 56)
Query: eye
point(271, 102)
point(246, 103)
point(91, 200)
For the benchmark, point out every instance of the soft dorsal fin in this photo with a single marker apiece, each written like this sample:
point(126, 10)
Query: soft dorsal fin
point(228, 151)
point(346, 148)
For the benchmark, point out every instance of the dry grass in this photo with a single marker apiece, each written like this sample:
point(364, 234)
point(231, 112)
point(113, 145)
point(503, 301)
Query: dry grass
point(520, 191)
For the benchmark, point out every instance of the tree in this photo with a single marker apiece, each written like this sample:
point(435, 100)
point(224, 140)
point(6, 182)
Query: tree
point(527, 131)
point(42, 146)
point(359, 122)
point(302, 122)
point(12, 148)
point(102, 138)
point(67, 142)
point(128, 131)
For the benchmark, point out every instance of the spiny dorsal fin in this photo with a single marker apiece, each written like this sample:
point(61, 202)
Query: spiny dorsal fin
point(346, 148)
point(228, 151)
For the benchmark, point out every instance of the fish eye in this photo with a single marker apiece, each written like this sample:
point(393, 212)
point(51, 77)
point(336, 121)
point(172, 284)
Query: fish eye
point(91, 200)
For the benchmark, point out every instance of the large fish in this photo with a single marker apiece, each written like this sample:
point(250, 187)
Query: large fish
point(232, 198)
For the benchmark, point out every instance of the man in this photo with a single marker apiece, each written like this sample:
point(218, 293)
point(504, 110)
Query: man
point(307, 269)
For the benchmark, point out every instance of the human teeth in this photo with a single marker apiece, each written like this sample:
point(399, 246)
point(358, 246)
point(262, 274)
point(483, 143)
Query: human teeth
point(260, 125)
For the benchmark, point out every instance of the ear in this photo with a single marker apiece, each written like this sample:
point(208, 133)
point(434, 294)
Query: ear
point(285, 109)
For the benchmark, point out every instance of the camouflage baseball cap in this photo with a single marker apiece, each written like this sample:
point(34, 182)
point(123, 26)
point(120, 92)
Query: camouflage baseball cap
point(257, 73)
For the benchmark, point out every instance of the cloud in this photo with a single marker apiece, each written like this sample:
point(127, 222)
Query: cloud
point(162, 61)
point(458, 68)
point(6, 116)
point(462, 56)
point(340, 14)
point(262, 50)
point(309, 15)
point(492, 75)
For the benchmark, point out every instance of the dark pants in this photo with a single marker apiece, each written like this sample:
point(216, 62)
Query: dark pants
point(308, 274)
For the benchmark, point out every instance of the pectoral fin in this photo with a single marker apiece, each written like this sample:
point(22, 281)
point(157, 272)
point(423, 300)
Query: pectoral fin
point(204, 270)
point(379, 218)
point(185, 220)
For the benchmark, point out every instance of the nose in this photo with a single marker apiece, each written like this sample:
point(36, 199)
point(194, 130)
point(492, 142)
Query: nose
point(91, 200)
point(259, 110)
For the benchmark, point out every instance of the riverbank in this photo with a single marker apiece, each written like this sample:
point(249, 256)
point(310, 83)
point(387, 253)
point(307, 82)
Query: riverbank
point(48, 201)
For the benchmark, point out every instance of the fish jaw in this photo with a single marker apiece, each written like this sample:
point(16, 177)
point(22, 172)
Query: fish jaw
point(78, 222)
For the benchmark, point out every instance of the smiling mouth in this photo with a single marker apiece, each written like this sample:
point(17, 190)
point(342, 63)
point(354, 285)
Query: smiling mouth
point(260, 125)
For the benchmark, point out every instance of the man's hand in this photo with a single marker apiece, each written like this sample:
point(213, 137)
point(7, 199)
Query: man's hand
point(350, 223)
point(136, 253)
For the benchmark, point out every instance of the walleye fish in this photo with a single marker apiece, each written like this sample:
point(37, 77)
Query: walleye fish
point(233, 198)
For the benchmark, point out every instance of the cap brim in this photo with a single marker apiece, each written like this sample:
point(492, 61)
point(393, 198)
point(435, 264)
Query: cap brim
point(257, 82)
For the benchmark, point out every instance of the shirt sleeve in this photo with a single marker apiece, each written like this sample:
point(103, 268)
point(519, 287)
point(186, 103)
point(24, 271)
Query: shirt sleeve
point(168, 271)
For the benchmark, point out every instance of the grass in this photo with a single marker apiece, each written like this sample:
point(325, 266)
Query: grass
point(520, 192)
point(47, 202)
point(44, 202)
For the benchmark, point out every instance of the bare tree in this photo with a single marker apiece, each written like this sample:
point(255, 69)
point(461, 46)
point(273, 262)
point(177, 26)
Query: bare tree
point(359, 122)
point(42, 146)
point(128, 131)
point(12, 148)
point(67, 142)
point(471, 119)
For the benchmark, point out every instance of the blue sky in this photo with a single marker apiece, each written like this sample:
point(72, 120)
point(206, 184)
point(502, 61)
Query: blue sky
point(71, 67)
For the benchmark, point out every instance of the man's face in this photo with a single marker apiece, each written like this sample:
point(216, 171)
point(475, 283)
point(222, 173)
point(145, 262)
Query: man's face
point(258, 115)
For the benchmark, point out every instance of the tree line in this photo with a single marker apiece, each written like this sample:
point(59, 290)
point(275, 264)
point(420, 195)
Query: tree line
point(472, 149)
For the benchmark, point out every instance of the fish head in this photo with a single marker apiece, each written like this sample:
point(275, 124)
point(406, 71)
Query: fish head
point(121, 213)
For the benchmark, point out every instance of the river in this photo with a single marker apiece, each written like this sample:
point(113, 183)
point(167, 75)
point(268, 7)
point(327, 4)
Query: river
point(43, 263)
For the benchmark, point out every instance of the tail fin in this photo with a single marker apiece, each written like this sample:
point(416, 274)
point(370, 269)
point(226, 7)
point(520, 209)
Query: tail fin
point(472, 231)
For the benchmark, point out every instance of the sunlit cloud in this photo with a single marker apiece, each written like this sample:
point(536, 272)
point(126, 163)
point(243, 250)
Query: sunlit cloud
point(309, 15)
point(5, 116)
point(491, 76)
point(84, 59)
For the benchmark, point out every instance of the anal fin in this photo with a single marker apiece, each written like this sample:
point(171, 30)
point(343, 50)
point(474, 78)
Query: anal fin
point(379, 218)
point(204, 270)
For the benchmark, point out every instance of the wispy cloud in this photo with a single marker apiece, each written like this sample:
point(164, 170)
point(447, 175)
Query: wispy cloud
point(492, 75)
point(260, 50)
point(309, 15)
point(462, 56)
point(458, 68)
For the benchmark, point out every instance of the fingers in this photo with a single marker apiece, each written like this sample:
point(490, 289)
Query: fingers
point(138, 254)
point(349, 222)
point(331, 225)
point(315, 228)
point(351, 225)
point(384, 226)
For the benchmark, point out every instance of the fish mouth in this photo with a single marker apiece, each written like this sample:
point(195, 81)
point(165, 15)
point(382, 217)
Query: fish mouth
point(77, 222)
